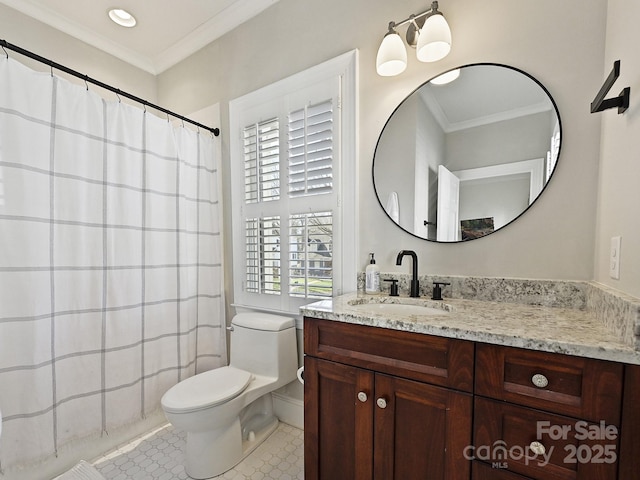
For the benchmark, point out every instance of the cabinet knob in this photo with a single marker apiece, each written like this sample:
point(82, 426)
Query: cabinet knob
point(362, 397)
point(537, 448)
point(381, 402)
point(539, 380)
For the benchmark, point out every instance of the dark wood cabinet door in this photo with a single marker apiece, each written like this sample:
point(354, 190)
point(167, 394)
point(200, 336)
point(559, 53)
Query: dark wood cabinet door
point(420, 431)
point(338, 421)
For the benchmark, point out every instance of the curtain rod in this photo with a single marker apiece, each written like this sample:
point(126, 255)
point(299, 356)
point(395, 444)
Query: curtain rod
point(86, 78)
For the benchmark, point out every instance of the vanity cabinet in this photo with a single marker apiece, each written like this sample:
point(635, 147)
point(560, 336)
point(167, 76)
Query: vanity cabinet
point(385, 404)
point(547, 416)
point(388, 404)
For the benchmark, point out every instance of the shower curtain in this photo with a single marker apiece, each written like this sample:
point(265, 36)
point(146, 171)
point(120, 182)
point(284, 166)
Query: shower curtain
point(110, 262)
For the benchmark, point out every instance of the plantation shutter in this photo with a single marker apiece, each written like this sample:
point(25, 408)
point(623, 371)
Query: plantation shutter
point(263, 255)
point(311, 150)
point(308, 236)
point(261, 161)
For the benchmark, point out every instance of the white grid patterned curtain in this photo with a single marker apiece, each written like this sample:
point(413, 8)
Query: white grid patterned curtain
point(110, 262)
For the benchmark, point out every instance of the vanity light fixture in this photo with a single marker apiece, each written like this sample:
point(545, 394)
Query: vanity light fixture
point(428, 32)
point(122, 17)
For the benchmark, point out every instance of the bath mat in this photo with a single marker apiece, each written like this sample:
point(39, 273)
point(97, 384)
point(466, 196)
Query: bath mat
point(82, 471)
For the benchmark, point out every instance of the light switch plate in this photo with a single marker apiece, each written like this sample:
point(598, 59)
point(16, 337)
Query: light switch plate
point(614, 258)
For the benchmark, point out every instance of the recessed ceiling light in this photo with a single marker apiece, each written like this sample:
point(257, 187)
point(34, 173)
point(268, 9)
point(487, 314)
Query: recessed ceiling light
point(122, 17)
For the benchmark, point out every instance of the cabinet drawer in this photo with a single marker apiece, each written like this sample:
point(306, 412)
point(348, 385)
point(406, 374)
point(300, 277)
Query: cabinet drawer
point(570, 448)
point(575, 386)
point(436, 360)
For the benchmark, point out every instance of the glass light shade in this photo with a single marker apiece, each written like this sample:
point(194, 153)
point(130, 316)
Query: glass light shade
point(392, 56)
point(434, 42)
point(446, 77)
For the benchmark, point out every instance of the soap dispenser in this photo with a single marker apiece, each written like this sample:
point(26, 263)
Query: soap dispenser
point(372, 276)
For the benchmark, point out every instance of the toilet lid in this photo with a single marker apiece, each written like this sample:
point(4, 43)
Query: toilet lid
point(206, 390)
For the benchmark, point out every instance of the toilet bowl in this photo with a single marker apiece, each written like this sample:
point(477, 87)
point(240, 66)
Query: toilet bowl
point(227, 412)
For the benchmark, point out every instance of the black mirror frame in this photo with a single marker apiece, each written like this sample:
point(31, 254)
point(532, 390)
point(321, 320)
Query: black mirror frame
point(555, 107)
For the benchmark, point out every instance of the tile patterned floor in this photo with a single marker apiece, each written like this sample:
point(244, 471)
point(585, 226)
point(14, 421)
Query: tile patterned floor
point(159, 456)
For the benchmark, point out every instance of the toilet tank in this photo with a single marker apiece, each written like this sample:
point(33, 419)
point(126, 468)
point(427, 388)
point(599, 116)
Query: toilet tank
point(264, 344)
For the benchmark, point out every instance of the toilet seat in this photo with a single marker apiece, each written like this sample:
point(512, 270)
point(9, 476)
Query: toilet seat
point(206, 390)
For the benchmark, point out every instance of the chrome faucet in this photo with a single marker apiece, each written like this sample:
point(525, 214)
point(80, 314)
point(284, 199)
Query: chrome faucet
point(415, 285)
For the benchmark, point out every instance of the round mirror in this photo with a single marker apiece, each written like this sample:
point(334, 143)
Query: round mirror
point(467, 152)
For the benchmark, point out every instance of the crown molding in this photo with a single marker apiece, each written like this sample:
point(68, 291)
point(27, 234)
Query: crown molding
point(231, 17)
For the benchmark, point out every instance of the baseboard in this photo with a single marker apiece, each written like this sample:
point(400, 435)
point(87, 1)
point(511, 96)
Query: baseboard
point(288, 405)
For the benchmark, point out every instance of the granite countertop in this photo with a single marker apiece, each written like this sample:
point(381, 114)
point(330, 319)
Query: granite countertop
point(571, 331)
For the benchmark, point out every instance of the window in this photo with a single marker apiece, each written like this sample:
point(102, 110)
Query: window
point(311, 255)
point(292, 155)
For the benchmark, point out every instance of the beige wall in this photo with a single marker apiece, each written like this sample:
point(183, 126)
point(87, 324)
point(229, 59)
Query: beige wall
point(619, 182)
point(24, 32)
point(560, 43)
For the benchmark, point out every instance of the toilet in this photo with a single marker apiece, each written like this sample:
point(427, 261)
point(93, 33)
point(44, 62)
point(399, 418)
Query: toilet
point(227, 412)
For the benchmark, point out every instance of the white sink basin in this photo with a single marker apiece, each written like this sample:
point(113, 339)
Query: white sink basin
point(398, 308)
